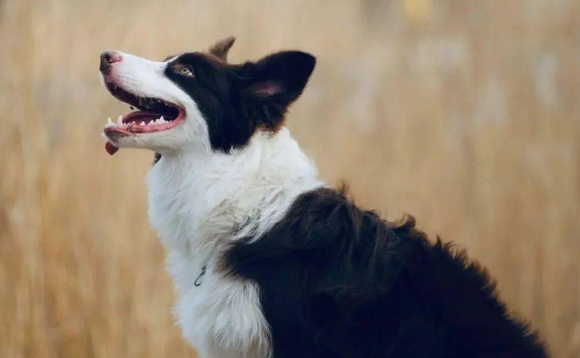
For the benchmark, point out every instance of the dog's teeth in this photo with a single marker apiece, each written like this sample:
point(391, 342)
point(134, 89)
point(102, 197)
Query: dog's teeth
point(109, 123)
point(120, 120)
point(142, 123)
point(161, 120)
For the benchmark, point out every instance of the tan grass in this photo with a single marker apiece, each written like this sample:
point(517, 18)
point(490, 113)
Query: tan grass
point(463, 113)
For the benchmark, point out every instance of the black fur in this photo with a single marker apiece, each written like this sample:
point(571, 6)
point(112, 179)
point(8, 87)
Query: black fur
point(337, 281)
point(238, 99)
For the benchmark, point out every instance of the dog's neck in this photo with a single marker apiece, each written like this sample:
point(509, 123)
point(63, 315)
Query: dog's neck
point(198, 199)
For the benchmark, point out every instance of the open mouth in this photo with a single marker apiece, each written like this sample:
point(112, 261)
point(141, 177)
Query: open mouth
point(150, 115)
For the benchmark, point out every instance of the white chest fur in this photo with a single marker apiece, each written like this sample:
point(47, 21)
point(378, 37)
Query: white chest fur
point(198, 202)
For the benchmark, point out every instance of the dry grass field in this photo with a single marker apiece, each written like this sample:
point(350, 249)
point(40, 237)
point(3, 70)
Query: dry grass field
point(465, 114)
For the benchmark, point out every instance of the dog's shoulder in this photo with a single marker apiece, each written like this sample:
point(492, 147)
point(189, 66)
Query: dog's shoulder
point(323, 229)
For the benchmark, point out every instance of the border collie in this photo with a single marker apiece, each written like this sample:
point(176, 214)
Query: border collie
point(267, 261)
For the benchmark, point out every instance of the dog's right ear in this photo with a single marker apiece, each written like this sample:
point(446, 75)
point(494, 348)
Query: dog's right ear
point(274, 82)
point(221, 48)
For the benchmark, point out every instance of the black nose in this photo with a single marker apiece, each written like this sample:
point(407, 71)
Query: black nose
point(108, 58)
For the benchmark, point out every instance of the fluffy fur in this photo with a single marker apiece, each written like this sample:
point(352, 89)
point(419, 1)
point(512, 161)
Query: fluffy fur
point(267, 261)
point(337, 281)
point(200, 205)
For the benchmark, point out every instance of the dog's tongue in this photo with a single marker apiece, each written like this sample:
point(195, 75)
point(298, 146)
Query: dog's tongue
point(111, 149)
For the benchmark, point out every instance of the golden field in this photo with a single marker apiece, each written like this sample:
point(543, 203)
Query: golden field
point(465, 114)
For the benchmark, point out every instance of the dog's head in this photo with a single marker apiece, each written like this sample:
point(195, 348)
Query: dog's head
point(198, 101)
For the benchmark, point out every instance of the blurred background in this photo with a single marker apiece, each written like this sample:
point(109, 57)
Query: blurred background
point(463, 113)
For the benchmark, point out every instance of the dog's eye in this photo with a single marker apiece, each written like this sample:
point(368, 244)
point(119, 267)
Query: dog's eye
point(186, 71)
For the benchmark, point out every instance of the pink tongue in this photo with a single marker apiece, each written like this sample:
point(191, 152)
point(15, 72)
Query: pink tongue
point(111, 149)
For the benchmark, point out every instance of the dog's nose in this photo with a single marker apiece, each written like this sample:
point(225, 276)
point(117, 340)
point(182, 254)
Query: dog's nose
point(108, 58)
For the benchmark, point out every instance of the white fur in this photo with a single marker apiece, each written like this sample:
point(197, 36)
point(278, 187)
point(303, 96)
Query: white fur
point(200, 200)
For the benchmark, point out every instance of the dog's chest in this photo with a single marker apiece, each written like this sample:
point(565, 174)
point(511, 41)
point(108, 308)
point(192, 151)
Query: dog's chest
point(201, 206)
point(218, 315)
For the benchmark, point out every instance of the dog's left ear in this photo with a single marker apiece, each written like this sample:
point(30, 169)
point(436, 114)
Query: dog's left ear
point(274, 82)
point(221, 48)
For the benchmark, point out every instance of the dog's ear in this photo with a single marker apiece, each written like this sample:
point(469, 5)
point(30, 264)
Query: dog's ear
point(274, 82)
point(220, 49)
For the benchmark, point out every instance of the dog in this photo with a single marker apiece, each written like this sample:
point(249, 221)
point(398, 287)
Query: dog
point(266, 259)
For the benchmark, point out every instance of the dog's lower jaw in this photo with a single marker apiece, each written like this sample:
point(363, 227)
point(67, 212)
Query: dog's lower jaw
point(199, 202)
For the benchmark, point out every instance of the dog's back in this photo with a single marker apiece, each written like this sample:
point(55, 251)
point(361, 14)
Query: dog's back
point(337, 281)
